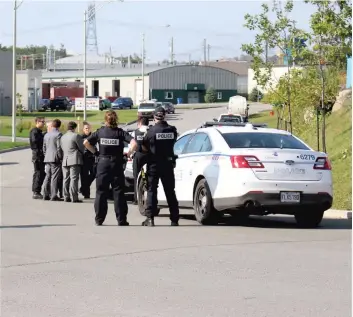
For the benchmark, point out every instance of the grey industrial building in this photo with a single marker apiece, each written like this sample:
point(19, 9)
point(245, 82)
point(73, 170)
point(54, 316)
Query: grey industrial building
point(5, 83)
point(190, 83)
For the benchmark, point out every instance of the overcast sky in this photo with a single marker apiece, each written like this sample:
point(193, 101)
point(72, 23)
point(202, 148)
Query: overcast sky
point(120, 25)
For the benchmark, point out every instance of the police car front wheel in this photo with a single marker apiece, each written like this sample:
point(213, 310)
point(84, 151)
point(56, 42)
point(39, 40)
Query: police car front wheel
point(205, 213)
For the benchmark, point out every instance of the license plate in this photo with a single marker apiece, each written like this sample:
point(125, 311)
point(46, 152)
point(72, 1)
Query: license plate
point(290, 197)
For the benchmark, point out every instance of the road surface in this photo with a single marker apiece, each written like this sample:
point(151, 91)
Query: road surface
point(56, 262)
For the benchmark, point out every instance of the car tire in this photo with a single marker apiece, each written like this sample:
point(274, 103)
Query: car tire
point(141, 199)
point(309, 218)
point(205, 213)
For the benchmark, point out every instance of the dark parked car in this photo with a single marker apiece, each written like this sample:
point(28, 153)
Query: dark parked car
point(168, 107)
point(60, 103)
point(122, 103)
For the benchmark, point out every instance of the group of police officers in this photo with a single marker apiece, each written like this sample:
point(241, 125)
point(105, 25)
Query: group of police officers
point(153, 146)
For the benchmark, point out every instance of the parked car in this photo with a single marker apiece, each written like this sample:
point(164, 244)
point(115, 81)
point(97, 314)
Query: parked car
point(122, 103)
point(105, 104)
point(168, 107)
point(44, 104)
point(245, 169)
point(147, 109)
point(60, 103)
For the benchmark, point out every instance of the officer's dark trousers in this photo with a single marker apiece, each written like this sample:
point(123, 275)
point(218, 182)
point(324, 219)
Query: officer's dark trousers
point(110, 172)
point(140, 159)
point(88, 174)
point(165, 172)
point(38, 176)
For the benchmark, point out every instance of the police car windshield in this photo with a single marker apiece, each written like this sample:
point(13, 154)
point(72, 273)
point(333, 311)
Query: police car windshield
point(263, 140)
point(147, 106)
point(230, 119)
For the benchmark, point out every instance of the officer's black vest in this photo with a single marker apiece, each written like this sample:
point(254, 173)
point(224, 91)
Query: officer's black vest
point(111, 142)
point(139, 139)
point(162, 139)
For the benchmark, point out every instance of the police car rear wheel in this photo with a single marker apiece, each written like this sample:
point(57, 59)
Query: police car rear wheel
point(307, 218)
point(142, 195)
point(203, 205)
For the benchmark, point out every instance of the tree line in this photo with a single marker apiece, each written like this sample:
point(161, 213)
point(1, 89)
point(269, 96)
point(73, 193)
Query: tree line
point(316, 60)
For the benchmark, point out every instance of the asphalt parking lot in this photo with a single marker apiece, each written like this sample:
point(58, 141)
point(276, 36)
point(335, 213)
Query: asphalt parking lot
point(56, 262)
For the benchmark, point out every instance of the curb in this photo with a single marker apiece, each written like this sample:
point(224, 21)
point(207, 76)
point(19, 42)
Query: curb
point(18, 148)
point(337, 214)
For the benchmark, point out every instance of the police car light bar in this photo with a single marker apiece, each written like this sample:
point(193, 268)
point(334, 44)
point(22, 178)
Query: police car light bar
point(233, 124)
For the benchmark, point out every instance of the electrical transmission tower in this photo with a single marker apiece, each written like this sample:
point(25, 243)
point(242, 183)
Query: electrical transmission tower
point(92, 44)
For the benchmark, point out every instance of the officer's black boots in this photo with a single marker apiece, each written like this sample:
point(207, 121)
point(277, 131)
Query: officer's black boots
point(149, 222)
point(123, 223)
point(37, 196)
point(174, 224)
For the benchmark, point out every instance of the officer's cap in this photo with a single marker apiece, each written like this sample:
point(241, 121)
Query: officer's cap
point(159, 113)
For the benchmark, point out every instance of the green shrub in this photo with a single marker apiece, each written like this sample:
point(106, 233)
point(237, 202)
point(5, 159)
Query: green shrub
point(211, 95)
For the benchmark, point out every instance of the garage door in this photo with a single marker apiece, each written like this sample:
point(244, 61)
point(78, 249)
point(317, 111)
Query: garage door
point(193, 97)
point(138, 91)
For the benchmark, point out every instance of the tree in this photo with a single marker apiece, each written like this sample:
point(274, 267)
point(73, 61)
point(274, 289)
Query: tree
point(331, 42)
point(281, 33)
point(255, 95)
point(211, 95)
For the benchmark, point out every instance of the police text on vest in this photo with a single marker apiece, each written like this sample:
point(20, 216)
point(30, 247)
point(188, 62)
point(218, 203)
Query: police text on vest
point(164, 136)
point(109, 141)
point(139, 137)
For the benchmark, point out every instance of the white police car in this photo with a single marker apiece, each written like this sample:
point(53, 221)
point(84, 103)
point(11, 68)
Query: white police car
point(243, 169)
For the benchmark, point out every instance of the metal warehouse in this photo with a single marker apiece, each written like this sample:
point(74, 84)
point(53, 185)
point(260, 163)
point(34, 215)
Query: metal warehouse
point(190, 82)
point(5, 83)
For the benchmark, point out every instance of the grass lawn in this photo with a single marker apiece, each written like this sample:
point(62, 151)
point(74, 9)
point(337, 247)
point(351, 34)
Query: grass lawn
point(338, 143)
point(9, 145)
point(27, 122)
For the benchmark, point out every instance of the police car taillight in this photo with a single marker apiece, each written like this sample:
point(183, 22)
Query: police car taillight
point(245, 161)
point(322, 163)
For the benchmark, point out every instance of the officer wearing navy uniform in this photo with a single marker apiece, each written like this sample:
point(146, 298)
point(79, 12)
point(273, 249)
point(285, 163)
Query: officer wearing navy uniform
point(140, 157)
point(110, 167)
point(159, 141)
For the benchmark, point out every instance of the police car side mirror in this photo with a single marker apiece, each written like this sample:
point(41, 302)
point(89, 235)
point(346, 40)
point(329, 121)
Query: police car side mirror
point(215, 120)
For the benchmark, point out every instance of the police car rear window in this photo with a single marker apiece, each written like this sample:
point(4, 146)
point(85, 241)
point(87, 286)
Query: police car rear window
point(263, 140)
point(147, 106)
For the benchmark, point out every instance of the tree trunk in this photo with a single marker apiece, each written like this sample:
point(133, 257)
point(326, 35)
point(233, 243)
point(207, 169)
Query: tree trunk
point(318, 128)
point(323, 130)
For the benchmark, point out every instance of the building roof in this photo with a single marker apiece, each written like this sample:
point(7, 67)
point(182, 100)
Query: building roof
point(120, 71)
point(239, 67)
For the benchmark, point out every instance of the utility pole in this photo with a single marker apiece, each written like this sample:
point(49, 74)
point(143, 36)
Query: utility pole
point(143, 66)
point(208, 53)
point(172, 51)
point(33, 61)
point(204, 51)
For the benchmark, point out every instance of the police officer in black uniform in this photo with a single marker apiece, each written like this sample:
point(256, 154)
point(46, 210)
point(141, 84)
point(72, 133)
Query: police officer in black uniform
point(140, 157)
point(110, 167)
point(36, 141)
point(159, 141)
point(88, 171)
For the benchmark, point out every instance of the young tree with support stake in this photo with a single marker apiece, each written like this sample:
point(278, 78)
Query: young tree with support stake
point(331, 41)
point(282, 34)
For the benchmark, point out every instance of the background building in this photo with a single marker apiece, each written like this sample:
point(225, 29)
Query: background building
point(29, 86)
point(124, 82)
point(190, 83)
point(5, 83)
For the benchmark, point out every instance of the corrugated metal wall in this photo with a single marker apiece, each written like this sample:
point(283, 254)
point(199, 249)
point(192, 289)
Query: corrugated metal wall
point(5, 83)
point(176, 77)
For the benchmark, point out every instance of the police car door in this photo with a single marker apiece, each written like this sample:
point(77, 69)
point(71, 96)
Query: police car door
point(192, 165)
point(178, 172)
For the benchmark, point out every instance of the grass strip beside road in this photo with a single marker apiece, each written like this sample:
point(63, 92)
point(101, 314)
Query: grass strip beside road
point(26, 122)
point(5, 145)
point(339, 150)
